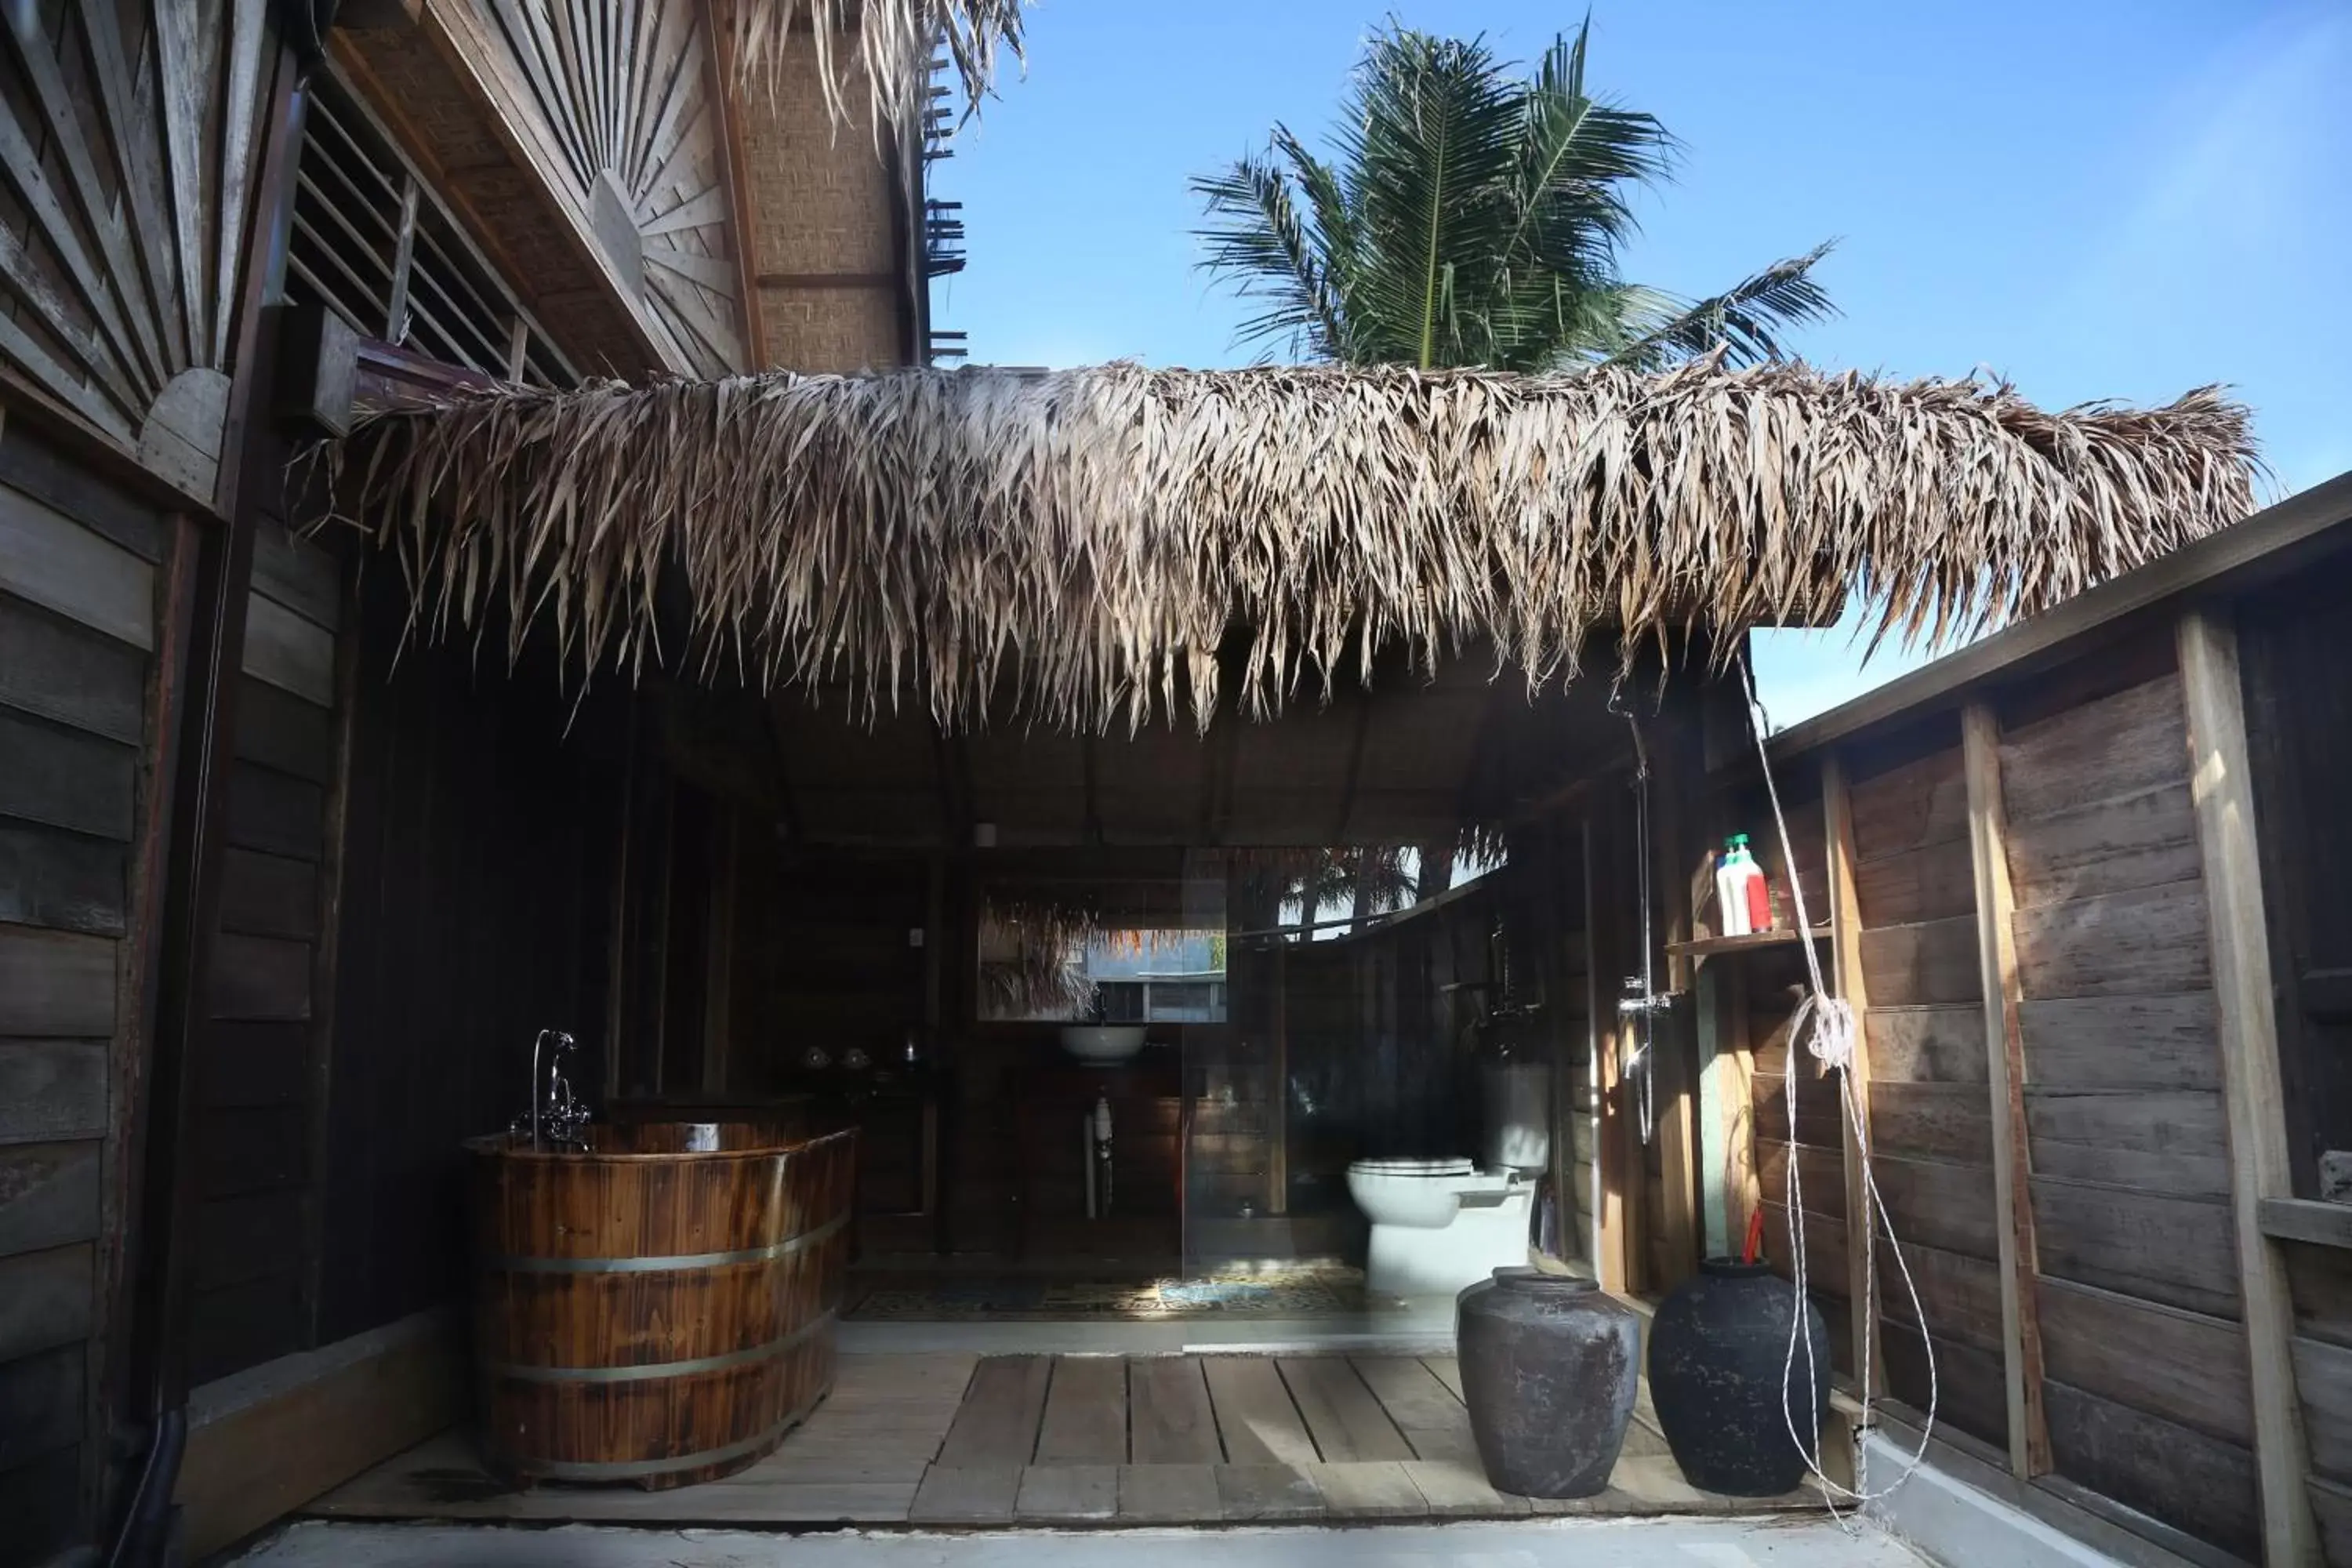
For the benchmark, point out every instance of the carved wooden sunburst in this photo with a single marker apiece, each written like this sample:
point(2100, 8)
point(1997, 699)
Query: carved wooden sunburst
point(129, 135)
point(626, 90)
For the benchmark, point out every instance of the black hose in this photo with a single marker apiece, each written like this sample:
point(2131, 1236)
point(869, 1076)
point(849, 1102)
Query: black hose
point(146, 1530)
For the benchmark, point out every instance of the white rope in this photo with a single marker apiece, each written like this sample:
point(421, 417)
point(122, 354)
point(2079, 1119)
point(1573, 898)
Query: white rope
point(1829, 1028)
point(1642, 1066)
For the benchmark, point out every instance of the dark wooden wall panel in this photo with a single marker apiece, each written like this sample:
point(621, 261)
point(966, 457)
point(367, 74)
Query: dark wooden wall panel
point(77, 573)
point(259, 1103)
point(51, 1090)
point(57, 670)
point(63, 881)
point(47, 1298)
point(479, 863)
point(2137, 1289)
point(1931, 1123)
point(2166, 1471)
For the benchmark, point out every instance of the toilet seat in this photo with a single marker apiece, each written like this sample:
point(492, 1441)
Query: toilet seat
point(1462, 1167)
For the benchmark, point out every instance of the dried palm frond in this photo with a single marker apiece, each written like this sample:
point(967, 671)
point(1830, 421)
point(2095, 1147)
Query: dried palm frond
point(896, 42)
point(1090, 539)
point(1046, 976)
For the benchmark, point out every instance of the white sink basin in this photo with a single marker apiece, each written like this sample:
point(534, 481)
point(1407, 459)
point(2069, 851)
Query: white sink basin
point(1102, 1043)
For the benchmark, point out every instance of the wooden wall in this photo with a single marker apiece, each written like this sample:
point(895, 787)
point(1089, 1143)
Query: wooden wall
point(2298, 668)
point(84, 573)
point(1930, 1117)
point(479, 868)
point(2146, 1390)
point(2030, 921)
point(262, 1045)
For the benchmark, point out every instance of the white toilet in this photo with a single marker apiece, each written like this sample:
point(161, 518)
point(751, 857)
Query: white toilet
point(1441, 1225)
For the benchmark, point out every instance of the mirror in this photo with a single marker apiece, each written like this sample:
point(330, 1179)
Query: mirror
point(1096, 948)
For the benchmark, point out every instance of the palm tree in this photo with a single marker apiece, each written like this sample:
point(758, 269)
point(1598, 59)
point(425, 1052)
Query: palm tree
point(1470, 216)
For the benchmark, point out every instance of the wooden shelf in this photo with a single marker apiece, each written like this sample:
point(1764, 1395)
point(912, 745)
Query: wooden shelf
point(1707, 946)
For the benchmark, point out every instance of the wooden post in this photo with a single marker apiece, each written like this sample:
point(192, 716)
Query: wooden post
point(1673, 1050)
point(403, 256)
point(2221, 782)
point(2020, 1326)
point(1613, 1260)
point(1277, 1098)
point(1845, 925)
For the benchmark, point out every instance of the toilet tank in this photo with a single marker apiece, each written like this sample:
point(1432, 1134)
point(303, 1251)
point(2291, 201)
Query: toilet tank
point(1518, 1125)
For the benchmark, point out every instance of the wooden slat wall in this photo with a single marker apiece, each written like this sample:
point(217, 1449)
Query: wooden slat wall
point(262, 1047)
point(479, 868)
point(78, 574)
point(2297, 661)
point(2146, 1394)
point(2320, 1278)
point(1931, 1124)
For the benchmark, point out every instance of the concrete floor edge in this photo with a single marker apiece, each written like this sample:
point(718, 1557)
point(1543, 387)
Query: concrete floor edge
point(1719, 1543)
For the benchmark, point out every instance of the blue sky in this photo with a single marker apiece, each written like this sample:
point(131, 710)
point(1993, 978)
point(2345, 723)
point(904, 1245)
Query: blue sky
point(2092, 198)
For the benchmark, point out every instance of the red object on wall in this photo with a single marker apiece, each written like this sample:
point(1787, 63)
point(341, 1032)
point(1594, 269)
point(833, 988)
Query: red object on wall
point(1759, 900)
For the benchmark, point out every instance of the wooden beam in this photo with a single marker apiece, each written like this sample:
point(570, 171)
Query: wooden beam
point(2322, 1224)
point(1845, 942)
point(2020, 1325)
point(2222, 785)
point(735, 178)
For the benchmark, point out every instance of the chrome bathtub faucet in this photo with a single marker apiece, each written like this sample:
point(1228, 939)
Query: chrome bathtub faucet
point(557, 1119)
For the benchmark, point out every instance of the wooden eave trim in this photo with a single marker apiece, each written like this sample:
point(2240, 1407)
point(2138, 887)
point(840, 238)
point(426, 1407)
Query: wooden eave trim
point(2271, 544)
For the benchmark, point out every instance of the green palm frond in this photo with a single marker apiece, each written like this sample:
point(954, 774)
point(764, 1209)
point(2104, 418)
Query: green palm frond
point(1438, 131)
point(1468, 216)
point(1262, 243)
point(1743, 322)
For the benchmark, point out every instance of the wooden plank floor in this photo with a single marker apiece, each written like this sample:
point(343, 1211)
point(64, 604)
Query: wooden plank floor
point(999, 1441)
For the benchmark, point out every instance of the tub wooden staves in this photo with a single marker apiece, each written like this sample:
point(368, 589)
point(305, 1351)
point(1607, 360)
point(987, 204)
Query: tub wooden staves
point(659, 1310)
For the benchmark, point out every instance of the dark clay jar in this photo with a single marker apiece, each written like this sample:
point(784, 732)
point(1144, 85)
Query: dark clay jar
point(1549, 1368)
point(1718, 1348)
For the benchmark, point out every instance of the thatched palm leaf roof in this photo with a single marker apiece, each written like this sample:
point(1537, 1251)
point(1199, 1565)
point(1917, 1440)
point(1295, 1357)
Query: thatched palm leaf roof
point(896, 41)
point(1086, 540)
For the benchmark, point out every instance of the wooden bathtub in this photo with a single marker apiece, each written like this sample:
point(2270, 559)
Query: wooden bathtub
point(659, 1310)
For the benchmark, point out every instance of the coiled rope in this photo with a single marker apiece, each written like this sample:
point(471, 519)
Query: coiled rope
point(1829, 1029)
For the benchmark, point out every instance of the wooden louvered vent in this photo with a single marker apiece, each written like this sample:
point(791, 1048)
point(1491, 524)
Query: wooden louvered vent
point(371, 242)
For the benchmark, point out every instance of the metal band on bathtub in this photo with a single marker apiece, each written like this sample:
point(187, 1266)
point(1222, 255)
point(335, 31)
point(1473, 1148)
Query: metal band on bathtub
point(635, 1470)
point(784, 1248)
point(656, 1369)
